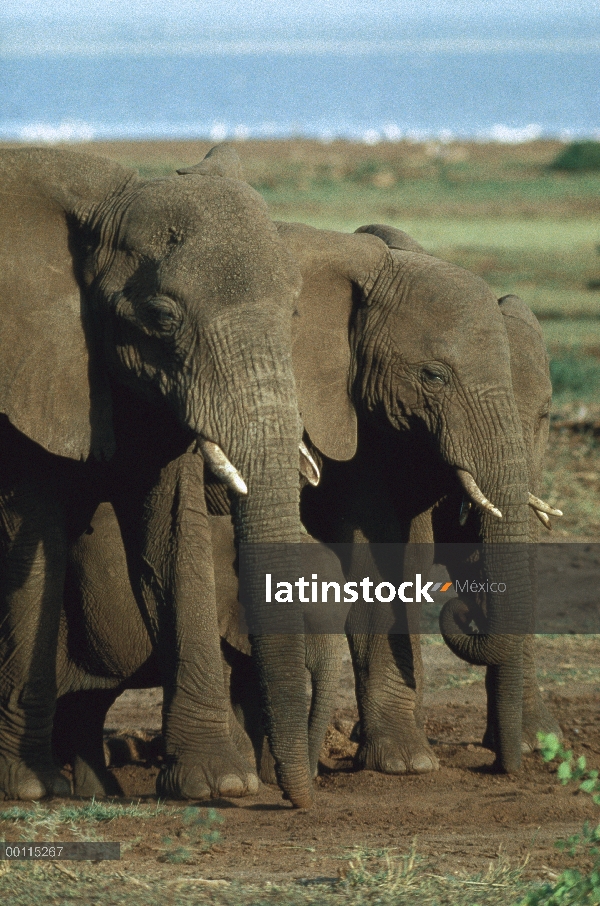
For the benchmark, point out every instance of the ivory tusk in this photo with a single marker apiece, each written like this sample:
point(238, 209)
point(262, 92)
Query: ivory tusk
point(308, 466)
point(544, 519)
point(479, 499)
point(540, 506)
point(465, 509)
point(221, 467)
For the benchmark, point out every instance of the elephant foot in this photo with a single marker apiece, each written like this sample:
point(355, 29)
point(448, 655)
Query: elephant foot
point(220, 774)
point(94, 783)
point(21, 781)
point(538, 720)
point(407, 753)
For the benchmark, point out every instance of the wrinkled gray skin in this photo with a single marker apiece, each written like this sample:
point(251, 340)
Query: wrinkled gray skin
point(388, 669)
point(104, 648)
point(139, 316)
point(429, 503)
point(531, 383)
point(393, 347)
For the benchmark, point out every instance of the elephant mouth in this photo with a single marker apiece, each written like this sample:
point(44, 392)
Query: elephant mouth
point(223, 469)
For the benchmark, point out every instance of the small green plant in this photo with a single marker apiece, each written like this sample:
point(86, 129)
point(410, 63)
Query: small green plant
point(572, 888)
point(199, 834)
point(578, 156)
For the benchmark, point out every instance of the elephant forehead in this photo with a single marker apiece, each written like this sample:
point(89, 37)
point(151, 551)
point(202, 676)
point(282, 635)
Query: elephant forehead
point(444, 289)
point(166, 211)
point(209, 236)
point(467, 342)
point(442, 312)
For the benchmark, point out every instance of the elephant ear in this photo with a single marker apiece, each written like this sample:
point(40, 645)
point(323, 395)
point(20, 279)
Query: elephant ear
point(52, 387)
point(337, 272)
point(222, 160)
point(513, 307)
point(393, 238)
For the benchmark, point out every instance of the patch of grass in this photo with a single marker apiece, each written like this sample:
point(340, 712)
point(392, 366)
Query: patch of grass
point(199, 834)
point(564, 676)
point(90, 812)
point(571, 480)
point(578, 157)
point(378, 877)
point(571, 336)
point(575, 376)
point(468, 677)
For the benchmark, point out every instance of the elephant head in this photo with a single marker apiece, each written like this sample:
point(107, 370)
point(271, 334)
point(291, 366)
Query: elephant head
point(181, 291)
point(390, 340)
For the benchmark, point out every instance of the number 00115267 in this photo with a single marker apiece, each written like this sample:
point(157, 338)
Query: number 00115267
point(94, 852)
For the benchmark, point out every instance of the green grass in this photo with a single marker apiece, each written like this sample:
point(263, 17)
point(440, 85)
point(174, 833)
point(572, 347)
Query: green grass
point(90, 812)
point(570, 337)
point(437, 234)
point(575, 376)
point(366, 876)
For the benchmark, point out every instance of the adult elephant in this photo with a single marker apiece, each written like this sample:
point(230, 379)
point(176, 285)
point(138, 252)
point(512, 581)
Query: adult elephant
point(392, 348)
point(435, 516)
point(143, 320)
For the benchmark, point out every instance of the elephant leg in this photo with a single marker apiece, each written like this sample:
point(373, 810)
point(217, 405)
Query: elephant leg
point(389, 679)
point(33, 559)
point(536, 716)
point(324, 662)
point(177, 586)
point(234, 665)
point(78, 740)
point(247, 710)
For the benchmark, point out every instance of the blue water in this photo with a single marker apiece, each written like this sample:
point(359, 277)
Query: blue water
point(429, 83)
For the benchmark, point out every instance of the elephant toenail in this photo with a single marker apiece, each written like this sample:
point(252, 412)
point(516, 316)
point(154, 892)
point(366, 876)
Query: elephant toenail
point(252, 784)
point(422, 764)
point(231, 785)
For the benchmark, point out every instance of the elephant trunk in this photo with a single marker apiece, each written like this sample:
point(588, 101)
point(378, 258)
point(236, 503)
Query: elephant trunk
point(263, 447)
point(506, 600)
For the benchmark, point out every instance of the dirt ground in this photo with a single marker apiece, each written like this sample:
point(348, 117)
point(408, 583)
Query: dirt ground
point(459, 819)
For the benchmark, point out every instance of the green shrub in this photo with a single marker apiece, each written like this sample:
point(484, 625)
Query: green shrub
point(578, 156)
point(572, 887)
point(575, 375)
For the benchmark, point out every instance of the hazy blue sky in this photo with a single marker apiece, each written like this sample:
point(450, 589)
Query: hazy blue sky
point(224, 11)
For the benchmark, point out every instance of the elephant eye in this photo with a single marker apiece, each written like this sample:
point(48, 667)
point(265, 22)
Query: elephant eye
point(161, 316)
point(434, 378)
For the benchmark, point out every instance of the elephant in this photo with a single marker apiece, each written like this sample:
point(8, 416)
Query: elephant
point(92, 655)
point(100, 656)
point(360, 296)
point(146, 333)
point(395, 350)
point(532, 387)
